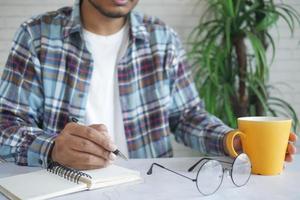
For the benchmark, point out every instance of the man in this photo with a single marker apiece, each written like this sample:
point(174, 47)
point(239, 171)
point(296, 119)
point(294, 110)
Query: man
point(123, 75)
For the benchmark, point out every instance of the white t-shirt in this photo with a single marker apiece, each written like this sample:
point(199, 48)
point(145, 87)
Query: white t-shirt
point(103, 103)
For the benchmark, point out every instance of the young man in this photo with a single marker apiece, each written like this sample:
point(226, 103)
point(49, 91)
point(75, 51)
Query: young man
point(122, 74)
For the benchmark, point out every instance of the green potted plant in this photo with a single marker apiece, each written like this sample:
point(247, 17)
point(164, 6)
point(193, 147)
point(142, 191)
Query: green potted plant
point(228, 48)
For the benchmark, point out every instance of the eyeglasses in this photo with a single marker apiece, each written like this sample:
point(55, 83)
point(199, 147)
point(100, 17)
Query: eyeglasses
point(211, 173)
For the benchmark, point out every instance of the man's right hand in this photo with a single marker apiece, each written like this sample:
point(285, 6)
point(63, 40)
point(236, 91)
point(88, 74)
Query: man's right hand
point(83, 147)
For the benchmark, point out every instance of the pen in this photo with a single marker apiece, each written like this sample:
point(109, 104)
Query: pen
point(117, 152)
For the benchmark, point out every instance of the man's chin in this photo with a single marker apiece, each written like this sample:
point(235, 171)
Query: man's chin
point(111, 11)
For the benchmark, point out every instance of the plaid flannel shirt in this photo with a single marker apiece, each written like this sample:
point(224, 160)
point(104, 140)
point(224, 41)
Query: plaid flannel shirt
point(47, 76)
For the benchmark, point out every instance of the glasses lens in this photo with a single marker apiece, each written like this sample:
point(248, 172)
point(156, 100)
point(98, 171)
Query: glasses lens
point(241, 170)
point(209, 178)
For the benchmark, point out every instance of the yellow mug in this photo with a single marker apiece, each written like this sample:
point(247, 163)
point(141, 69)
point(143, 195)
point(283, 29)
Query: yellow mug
point(264, 140)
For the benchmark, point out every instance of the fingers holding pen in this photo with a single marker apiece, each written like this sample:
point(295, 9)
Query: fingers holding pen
point(86, 146)
point(82, 147)
point(101, 138)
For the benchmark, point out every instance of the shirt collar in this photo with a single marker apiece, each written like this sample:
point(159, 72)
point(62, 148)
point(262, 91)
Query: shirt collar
point(74, 24)
point(138, 26)
point(136, 21)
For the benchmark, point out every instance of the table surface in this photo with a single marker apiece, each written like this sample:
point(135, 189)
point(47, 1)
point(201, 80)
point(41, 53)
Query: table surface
point(165, 185)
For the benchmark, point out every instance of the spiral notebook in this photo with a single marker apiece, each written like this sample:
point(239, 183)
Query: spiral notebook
point(58, 180)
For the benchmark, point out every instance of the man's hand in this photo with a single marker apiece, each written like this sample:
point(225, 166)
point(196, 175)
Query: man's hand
point(83, 147)
point(291, 149)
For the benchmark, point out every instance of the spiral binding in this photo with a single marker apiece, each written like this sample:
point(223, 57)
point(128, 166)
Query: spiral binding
point(66, 172)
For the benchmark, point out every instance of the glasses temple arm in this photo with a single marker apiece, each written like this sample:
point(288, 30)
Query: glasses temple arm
point(221, 161)
point(150, 171)
point(197, 163)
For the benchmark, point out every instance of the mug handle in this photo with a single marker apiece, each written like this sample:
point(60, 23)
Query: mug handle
point(229, 142)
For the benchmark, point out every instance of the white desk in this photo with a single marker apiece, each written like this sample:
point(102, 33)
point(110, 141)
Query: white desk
point(165, 185)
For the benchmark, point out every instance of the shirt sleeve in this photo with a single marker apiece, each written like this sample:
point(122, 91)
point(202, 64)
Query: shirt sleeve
point(191, 124)
point(22, 139)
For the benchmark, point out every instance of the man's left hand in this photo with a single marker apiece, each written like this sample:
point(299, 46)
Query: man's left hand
point(291, 149)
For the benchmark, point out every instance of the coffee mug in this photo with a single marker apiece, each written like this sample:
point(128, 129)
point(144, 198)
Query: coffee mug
point(264, 140)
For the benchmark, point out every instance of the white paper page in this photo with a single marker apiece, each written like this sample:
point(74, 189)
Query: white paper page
point(38, 185)
point(111, 175)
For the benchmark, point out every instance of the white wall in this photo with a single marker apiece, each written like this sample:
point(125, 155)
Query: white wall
point(182, 15)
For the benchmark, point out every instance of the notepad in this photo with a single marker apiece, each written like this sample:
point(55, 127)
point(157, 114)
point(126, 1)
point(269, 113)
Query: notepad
point(43, 184)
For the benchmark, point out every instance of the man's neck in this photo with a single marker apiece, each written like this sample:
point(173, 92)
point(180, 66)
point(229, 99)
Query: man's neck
point(97, 23)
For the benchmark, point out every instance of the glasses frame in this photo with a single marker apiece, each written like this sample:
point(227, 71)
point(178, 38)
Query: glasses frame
point(204, 161)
